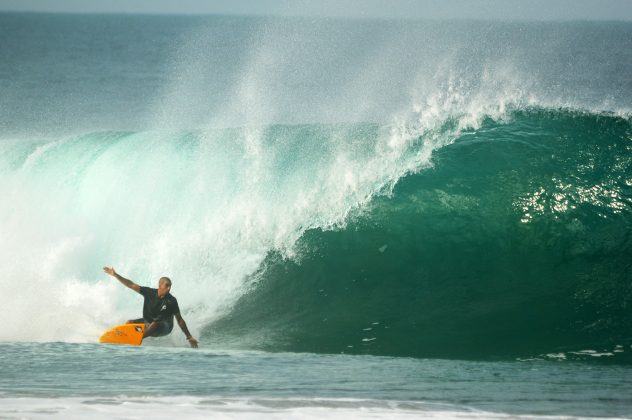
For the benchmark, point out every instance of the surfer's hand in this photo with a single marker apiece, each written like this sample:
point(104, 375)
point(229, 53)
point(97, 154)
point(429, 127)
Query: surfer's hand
point(193, 342)
point(110, 271)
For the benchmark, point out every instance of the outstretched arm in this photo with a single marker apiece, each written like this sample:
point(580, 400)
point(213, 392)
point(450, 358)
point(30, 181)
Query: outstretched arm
point(183, 326)
point(123, 280)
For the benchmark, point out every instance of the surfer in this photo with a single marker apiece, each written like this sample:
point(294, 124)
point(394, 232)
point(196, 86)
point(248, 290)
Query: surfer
point(159, 308)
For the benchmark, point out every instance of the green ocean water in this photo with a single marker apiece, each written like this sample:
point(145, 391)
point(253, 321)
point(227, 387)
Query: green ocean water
point(515, 243)
point(360, 218)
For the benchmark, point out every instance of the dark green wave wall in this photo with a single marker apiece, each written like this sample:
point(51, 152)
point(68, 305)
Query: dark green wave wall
point(516, 243)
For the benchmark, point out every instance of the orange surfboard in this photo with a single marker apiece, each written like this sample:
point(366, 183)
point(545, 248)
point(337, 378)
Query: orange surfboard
point(131, 334)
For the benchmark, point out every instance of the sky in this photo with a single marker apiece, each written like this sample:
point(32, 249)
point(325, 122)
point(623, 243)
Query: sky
point(415, 9)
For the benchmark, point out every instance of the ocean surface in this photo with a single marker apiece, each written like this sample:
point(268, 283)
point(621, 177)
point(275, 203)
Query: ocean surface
point(361, 218)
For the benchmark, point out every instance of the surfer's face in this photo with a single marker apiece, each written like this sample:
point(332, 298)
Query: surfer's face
point(163, 287)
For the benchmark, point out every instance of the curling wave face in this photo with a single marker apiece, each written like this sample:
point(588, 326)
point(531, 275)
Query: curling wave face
point(516, 243)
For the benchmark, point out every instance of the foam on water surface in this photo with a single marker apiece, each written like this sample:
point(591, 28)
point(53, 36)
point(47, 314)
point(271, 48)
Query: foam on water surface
point(245, 408)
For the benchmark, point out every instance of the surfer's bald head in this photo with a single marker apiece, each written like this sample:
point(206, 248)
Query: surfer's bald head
point(166, 280)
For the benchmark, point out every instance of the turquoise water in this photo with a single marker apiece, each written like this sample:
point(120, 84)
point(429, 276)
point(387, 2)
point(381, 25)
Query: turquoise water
point(360, 218)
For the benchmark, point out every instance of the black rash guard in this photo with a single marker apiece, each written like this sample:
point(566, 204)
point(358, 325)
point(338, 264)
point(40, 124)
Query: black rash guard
point(160, 310)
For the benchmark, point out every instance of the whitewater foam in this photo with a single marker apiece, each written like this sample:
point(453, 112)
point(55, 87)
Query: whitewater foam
point(245, 408)
point(202, 207)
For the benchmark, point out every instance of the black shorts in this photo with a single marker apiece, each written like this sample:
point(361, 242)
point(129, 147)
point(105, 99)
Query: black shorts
point(163, 327)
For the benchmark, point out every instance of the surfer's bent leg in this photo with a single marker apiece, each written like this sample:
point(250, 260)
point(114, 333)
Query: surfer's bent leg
point(150, 329)
point(157, 329)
